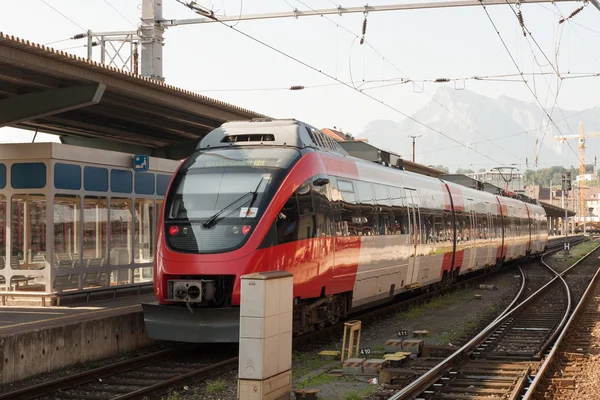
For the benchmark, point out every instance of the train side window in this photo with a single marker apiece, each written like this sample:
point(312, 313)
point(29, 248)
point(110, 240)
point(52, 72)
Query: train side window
point(367, 209)
point(349, 211)
point(384, 210)
point(400, 211)
point(427, 221)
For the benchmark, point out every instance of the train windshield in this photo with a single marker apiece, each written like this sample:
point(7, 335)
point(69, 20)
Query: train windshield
point(218, 197)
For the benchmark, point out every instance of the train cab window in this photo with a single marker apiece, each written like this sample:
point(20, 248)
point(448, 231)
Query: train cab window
point(349, 211)
point(306, 223)
point(323, 208)
point(296, 219)
point(286, 222)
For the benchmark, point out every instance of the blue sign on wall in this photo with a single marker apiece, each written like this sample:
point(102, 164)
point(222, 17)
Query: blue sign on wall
point(141, 162)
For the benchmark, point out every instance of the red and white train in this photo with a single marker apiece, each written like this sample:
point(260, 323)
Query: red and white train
point(270, 195)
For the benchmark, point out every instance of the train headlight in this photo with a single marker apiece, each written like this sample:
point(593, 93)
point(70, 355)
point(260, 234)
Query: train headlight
point(173, 230)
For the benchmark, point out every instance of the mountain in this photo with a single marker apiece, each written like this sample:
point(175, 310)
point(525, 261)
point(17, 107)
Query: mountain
point(493, 127)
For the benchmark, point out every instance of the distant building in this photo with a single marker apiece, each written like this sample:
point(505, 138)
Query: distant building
point(339, 135)
point(502, 179)
point(538, 192)
point(334, 133)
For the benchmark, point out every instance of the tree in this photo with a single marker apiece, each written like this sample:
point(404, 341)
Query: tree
point(464, 171)
point(442, 168)
point(481, 170)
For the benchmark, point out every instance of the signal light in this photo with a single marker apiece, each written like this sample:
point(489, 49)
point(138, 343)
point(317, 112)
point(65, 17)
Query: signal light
point(173, 230)
point(246, 229)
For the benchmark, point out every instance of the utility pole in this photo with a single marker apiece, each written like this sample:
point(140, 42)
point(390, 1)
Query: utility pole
point(566, 185)
point(152, 39)
point(413, 141)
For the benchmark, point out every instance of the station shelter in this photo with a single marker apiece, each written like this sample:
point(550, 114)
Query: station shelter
point(74, 218)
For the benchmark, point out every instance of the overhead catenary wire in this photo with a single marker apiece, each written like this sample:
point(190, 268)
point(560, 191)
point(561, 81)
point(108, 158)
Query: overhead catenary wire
point(121, 14)
point(570, 21)
point(356, 36)
point(388, 82)
point(305, 64)
point(66, 17)
point(518, 69)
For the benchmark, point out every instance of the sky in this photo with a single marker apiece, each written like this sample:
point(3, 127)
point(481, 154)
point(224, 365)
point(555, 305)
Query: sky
point(453, 43)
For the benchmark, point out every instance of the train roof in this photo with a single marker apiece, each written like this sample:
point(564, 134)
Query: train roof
point(294, 133)
point(269, 132)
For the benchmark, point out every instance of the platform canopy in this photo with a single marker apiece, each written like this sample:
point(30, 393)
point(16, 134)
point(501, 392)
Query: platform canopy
point(556, 212)
point(89, 104)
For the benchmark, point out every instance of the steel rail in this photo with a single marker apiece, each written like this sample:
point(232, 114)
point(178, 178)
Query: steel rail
point(162, 387)
point(427, 379)
point(42, 389)
point(550, 357)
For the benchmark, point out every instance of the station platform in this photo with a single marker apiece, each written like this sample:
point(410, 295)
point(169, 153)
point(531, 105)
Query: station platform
point(35, 340)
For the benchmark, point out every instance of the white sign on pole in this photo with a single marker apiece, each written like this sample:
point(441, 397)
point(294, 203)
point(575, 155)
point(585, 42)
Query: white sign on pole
point(586, 177)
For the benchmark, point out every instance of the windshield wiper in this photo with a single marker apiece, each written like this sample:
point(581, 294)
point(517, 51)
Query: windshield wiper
point(213, 220)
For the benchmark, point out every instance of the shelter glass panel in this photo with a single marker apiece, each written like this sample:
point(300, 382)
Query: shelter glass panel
point(120, 277)
point(95, 225)
point(144, 231)
point(144, 183)
point(121, 181)
point(2, 231)
point(67, 176)
point(28, 231)
point(95, 179)
point(2, 176)
point(28, 175)
point(67, 220)
point(162, 182)
point(159, 211)
point(120, 231)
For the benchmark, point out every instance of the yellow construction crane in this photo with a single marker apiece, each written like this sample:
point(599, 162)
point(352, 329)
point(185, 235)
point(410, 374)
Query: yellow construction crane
point(582, 182)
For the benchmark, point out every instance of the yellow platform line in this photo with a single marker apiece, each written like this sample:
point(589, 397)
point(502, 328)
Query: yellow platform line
point(67, 316)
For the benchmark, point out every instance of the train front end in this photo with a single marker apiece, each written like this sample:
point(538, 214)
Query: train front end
point(215, 214)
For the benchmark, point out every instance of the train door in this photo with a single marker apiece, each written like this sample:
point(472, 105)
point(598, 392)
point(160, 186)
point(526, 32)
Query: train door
point(489, 235)
point(528, 229)
point(415, 234)
point(470, 260)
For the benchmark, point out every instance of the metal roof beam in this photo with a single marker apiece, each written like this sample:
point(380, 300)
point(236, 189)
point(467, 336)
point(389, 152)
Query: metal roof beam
point(27, 77)
point(107, 132)
point(120, 83)
point(26, 107)
point(351, 10)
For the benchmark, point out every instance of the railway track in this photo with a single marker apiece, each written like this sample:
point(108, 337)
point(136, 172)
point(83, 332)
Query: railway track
point(154, 374)
point(505, 360)
point(570, 359)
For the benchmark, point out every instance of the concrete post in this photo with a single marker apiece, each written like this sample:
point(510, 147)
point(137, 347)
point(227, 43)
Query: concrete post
point(265, 360)
point(152, 40)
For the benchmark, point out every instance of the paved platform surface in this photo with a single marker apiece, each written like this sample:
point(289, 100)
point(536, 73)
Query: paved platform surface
point(20, 318)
